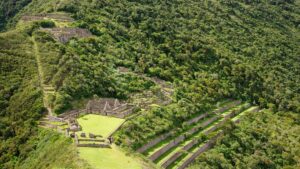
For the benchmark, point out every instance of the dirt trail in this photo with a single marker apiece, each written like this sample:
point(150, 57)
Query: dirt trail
point(47, 89)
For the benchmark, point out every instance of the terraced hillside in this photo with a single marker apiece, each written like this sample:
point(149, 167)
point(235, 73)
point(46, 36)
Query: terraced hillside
point(177, 150)
point(184, 58)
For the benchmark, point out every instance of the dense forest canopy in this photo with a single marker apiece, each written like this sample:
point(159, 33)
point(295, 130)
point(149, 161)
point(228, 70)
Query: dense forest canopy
point(208, 50)
point(9, 8)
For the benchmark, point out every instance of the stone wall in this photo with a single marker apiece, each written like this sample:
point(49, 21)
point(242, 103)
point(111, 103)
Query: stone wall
point(172, 144)
point(95, 140)
point(154, 142)
point(180, 138)
point(202, 149)
point(94, 145)
point(175, 156)
point(222, 109)
point(196, 119)
point(211, 142)
point(52, 118)
point(65, 34)
point(193, 130)
point(172, 159)
point(38, 17)
point(196, 141)
point(227, 107)
point(192, 143)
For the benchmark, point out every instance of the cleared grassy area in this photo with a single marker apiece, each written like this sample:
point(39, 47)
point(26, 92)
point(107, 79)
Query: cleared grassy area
point(109, 158)
point(105, 158)
point(99, 125)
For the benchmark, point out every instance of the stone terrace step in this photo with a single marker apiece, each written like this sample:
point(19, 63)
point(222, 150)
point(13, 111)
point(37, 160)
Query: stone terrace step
point(181, 138)
point(94, 145)
point(90, 140)
point(227, 104)
point(187, 145)
point(184, 162)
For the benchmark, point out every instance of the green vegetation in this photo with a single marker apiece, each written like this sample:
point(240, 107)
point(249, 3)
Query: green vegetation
point(108, 158)
point(99, 125)
point(20, 99)
point(262, 140)
point(52, 150)
point(206, 128)
point(105, 158)
point(8, 9)
point(208, 50)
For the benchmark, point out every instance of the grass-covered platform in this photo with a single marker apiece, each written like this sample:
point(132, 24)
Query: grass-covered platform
point(109, 158)
point(99, 125)
point(105, 158)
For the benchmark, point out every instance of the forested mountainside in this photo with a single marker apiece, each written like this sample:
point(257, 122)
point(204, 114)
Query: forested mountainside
point(8, 9)
point(207, 50)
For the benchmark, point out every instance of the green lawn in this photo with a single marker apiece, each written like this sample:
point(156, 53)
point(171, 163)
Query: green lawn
point(105, 158)
point(109, 158)
point(98, 124)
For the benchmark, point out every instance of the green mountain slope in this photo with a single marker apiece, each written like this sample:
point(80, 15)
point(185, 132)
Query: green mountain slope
point(262, 140)
point(52, 150)
point(208, 50)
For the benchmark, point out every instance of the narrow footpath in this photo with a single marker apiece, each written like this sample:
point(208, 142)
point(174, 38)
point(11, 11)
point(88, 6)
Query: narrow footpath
point(47, 89)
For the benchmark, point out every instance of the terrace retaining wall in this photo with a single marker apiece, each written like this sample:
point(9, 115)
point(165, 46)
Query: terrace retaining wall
point(222, 109)
point(95, 140)
point(171, 160)
point(196, 119)
point(252, 111)
point(202, 149)
point(196, 141)
point(94, 145)
point(157, 154)
point(211, 142)
point(180, 138)
point(154, 142)
point(233, 104)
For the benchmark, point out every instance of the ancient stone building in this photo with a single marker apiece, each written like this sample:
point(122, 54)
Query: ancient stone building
point(108, 107)
point(65, 34)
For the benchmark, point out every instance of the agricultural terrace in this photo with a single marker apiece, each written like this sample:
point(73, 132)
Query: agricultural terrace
point(177, 151)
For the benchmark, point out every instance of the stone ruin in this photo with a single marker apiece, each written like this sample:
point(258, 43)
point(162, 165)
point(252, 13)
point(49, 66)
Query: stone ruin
point(108, 107)
point(38, 17)
point(100, 143)
point(74, 125)
point(65, 34)
point(164, 97)
point(71, 114)
point(122, 69)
